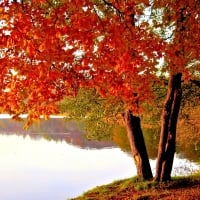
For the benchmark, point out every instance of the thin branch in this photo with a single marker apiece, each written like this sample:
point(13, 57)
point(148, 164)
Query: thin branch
point(196, 82)
point(120, 14)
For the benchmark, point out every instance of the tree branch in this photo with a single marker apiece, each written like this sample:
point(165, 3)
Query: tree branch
point(114, 8)
point(196, 82)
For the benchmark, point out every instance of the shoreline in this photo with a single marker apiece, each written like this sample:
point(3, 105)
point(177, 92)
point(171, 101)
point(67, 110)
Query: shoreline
point(183, 187)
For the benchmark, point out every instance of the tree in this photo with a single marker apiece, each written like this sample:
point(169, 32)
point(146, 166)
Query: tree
point(50, 48)
point(181, 53)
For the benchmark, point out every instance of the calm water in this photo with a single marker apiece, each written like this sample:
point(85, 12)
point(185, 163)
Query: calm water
point(35, 165)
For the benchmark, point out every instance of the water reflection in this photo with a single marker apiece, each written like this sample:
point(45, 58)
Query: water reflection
point(55, 170)
point(54, 161)
point(56, 129)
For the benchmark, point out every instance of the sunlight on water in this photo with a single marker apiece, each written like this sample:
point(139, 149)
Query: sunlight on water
point(181, 166)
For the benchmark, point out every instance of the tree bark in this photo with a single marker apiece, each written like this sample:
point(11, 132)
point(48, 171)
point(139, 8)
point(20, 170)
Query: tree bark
point(167, 143)
point(138, 147)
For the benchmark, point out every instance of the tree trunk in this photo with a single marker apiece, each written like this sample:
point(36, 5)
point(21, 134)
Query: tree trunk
point(138, 147)
point(169, 119)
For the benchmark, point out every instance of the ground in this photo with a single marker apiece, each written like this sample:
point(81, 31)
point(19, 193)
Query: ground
point(180, 188)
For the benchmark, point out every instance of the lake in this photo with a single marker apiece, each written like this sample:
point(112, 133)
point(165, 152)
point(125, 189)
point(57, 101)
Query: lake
point(53, 160)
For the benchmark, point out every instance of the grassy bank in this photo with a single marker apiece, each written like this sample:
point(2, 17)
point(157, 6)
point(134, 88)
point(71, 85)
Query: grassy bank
point(180, 188)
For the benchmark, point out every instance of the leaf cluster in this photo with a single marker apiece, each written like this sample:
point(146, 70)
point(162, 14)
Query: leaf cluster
point(57, 46)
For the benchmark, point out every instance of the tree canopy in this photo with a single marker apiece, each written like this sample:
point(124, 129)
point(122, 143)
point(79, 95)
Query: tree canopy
point(49, 49)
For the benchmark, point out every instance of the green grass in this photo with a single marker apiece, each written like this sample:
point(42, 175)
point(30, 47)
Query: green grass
point(141, 190)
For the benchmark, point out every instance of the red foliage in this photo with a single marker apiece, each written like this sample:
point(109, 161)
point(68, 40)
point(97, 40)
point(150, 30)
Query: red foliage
point(50, 49)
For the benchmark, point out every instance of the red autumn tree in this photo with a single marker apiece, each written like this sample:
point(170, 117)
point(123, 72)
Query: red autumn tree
point(182, 61)
point(51, 48)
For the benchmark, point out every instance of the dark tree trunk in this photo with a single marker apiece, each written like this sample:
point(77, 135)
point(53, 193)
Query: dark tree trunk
point(138, 147)
point(167, 144)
